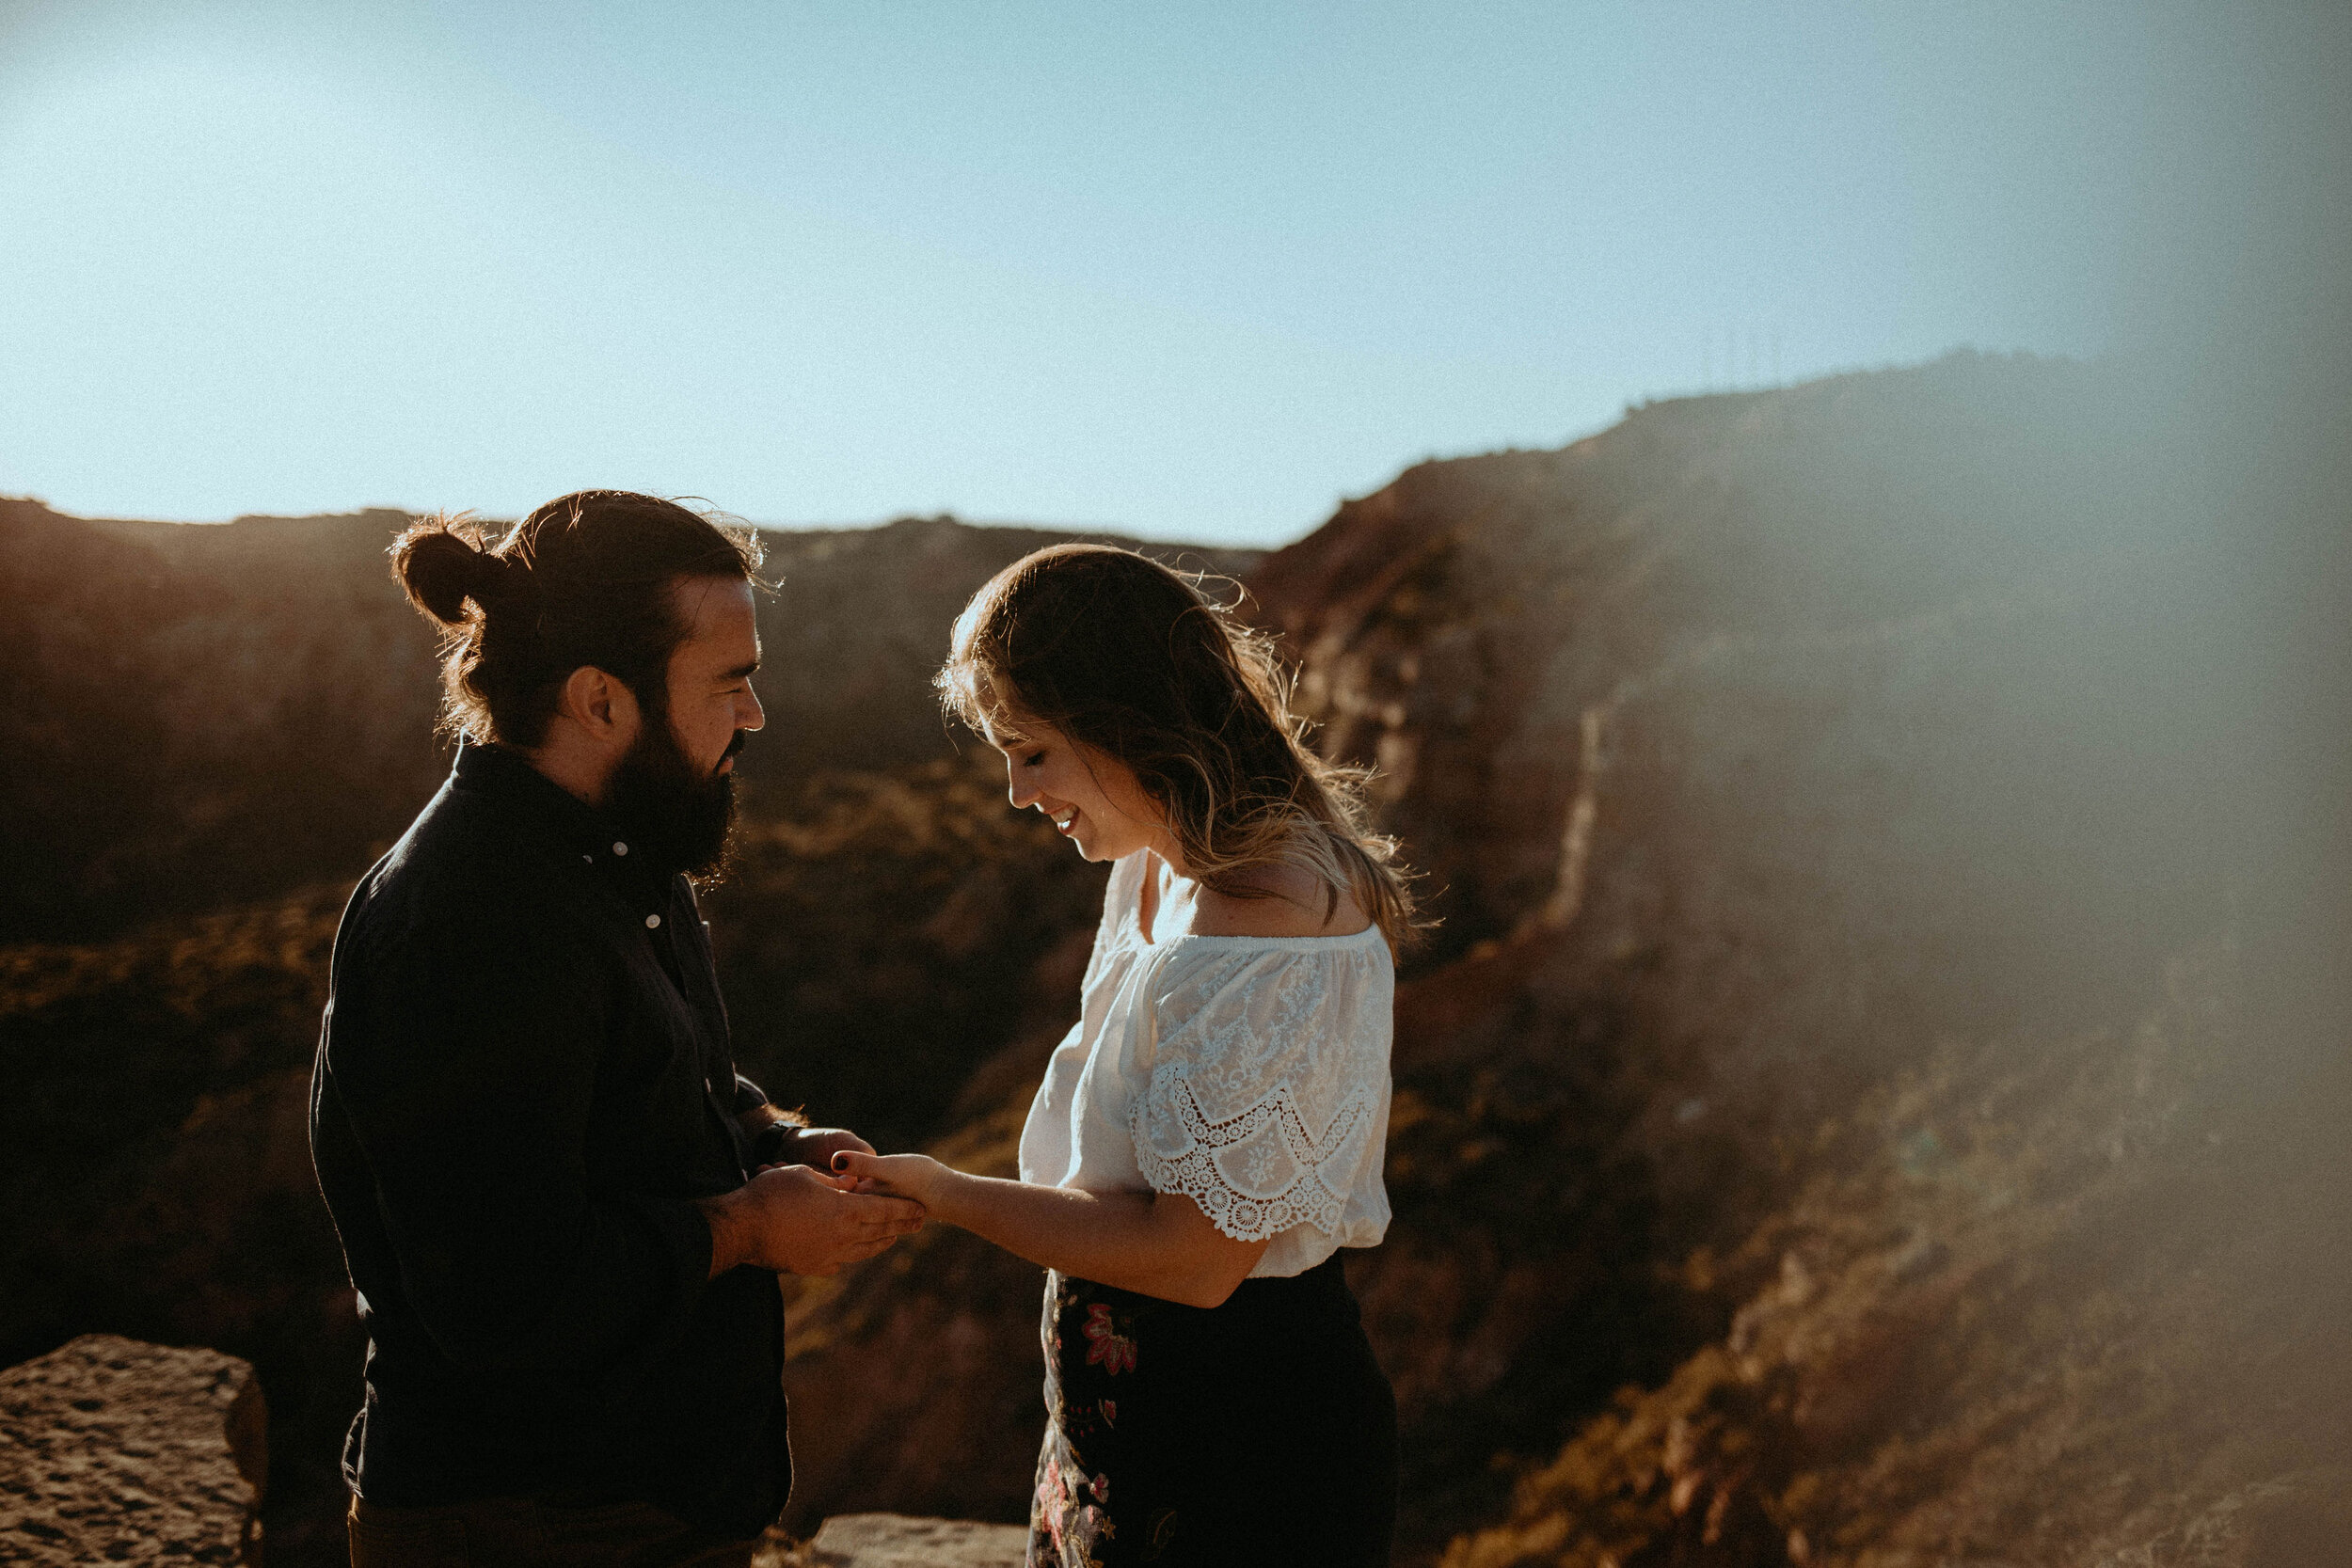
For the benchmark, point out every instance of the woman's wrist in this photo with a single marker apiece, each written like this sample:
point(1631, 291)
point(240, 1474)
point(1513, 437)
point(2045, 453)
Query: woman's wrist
point(949, 1199)
point(961, 1199)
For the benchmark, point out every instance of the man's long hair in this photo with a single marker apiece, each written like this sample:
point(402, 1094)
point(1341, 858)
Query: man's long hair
point(585, 580)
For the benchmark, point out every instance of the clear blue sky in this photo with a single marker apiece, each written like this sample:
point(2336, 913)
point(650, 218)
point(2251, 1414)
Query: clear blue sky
point(1187, 270)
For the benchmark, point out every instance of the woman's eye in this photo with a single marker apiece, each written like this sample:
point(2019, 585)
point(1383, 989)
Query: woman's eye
point(1033, 759)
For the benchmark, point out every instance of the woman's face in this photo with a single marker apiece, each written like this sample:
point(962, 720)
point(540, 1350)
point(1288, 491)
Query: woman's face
point(1093, 799)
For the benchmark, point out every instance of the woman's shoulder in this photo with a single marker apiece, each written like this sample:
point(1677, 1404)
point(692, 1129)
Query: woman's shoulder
point(1274, 980)
point(1277, 901)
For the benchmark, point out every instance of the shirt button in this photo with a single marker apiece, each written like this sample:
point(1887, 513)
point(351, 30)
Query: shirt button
point(590, 860)
point(653, 922)
point(619, 848)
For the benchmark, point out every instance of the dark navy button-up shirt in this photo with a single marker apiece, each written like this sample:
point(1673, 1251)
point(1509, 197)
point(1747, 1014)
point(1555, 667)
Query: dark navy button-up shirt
point(523, 1084)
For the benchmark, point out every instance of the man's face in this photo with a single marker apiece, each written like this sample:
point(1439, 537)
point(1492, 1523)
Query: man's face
point(674, 787)
point(711, 701)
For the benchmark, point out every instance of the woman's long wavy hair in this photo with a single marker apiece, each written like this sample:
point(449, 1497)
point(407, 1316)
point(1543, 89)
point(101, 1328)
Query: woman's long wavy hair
point(1121, 654)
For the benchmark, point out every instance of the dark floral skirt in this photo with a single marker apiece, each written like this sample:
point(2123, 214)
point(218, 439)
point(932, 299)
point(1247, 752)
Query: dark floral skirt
point(1257, 1432)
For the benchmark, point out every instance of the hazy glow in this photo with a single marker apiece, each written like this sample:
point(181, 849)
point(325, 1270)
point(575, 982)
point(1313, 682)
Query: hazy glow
point(1192, 270)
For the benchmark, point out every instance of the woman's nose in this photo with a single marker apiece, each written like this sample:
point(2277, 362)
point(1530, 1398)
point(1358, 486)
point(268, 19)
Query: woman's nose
point(1020, 794)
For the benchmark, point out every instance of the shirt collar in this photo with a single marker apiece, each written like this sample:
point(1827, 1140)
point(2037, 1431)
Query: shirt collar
point(568, 825)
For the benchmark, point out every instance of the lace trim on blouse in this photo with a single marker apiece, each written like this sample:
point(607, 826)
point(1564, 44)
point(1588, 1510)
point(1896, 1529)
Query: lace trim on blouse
point(1260, 1104)
point(1258, 1174)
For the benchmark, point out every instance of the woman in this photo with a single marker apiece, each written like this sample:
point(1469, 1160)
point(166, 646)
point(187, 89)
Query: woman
point(1210, 1133)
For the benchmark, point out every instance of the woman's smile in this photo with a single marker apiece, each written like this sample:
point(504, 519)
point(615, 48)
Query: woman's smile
point(1091, 799)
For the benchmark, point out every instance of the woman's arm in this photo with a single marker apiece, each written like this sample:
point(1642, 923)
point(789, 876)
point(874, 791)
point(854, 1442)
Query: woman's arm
point(1153, 1243)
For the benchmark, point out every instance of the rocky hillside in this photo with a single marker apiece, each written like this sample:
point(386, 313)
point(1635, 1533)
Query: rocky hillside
point(203, 715)
point(1839, 1115)
point(208, 713)
point(1823, 1065)
point(254, 701)
point(2034, 1299)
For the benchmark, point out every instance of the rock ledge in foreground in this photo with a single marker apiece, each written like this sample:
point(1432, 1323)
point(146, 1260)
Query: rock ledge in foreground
point(896, 1541)
point(116, 1452)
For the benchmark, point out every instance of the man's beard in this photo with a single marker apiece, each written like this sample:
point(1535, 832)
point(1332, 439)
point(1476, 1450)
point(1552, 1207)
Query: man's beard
point(670, 809)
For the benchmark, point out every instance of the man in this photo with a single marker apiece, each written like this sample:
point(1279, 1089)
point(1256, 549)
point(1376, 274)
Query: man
point(561, 1206)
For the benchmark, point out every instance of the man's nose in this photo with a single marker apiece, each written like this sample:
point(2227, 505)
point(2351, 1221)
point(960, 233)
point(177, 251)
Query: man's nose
point(749, 715)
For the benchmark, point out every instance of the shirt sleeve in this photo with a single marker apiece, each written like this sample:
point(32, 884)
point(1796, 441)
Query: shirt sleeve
point(470, 1100)
point(1265, 1082)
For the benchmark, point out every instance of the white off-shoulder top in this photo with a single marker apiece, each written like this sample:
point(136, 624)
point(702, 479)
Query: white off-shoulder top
point(1249, 1073)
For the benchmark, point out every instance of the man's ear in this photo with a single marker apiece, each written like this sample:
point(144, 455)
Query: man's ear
point(601, 705)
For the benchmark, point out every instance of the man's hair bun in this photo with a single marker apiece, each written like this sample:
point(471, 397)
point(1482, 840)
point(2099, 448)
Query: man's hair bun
point(440, 564)
point(583, 580)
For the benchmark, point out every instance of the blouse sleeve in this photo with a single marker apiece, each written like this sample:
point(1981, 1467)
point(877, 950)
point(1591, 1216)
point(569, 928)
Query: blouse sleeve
point(1268, 1077)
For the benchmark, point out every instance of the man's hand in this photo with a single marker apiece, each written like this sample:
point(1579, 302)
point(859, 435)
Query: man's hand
point(793, 1220)
point(815, 1147)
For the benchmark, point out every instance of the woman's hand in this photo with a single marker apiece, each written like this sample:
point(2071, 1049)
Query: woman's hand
point(912, 1176)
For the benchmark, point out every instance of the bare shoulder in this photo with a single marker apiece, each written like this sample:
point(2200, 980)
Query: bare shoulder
point(1292, 903)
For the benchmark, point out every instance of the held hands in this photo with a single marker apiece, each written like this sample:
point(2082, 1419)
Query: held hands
point(1161, 1244)
point(908, 1176)
point(816, 1145)
point(795, 1220)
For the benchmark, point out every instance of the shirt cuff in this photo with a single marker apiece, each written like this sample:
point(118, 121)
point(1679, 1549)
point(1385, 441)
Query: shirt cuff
point(769, 1145)
point(685, 1233)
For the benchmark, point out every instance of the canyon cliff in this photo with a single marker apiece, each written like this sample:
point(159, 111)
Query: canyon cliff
point(1837, 1118)
point(1825, 1107)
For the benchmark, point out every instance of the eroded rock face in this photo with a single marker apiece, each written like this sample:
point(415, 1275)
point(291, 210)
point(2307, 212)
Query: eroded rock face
point(1751, 747)
point(112, 1450)
point(1755, 750)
